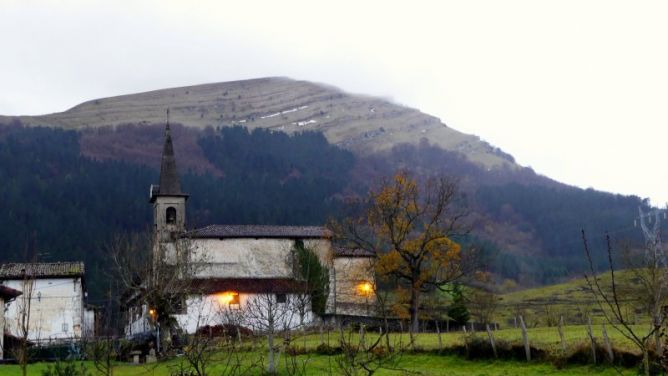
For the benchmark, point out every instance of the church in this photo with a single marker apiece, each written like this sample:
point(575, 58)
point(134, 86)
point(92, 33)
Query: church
point(242, 274)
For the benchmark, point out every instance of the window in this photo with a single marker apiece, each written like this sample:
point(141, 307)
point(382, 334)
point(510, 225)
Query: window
point(170, 215)
point(281, 298)
point(179, 305)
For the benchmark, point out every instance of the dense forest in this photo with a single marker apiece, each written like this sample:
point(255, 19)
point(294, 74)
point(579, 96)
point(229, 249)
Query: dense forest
point(59, 203)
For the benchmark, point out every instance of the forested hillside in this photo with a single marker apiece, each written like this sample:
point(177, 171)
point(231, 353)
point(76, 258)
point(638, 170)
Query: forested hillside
point(59, 205)
point(66, 193)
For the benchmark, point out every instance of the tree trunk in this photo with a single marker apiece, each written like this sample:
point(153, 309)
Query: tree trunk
point(271, 367)
point(440, 339)
point(645, 361)
point(415, 321)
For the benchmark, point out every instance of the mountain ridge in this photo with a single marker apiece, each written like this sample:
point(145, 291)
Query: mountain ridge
point(360, 123)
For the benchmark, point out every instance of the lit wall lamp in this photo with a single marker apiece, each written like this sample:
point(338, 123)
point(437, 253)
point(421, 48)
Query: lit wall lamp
point(228, 297)
point(365, 288)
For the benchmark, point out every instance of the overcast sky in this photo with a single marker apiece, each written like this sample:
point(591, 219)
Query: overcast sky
point(578, 90)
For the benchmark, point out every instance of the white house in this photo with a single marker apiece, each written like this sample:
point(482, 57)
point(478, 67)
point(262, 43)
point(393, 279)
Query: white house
point(239, 267)
point(53, 297)
point(6, 295)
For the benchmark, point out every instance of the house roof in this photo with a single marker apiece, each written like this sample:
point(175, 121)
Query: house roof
point(169, 178)
point(7, 293)
point(257, 231)
point(42, 270)
point(248, 285)
point(352, 252)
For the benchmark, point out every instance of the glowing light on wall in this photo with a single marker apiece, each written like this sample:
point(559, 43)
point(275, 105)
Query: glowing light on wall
point(364, 289)
point(228, 297)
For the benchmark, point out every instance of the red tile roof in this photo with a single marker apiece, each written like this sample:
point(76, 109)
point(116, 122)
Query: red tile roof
point(41, 270)
point(258, 231)
point(248, 285)
point(352, 252)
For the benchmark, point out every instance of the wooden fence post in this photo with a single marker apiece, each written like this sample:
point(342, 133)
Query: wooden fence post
point(608, 346)
point(362, 339)
point(525, 337)
point(592, 339)
point(440, 340)
point(466, 340)
point(560, 328)
point(491, 341)
point(322, 334)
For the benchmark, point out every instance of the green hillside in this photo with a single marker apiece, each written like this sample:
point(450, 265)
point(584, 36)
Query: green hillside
point(543, 306)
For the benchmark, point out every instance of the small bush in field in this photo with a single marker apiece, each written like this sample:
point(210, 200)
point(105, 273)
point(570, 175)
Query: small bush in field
point(65, 369)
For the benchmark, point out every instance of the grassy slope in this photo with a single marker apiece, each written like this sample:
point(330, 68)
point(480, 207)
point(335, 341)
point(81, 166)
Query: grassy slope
point(571, 299)
point(357, 122)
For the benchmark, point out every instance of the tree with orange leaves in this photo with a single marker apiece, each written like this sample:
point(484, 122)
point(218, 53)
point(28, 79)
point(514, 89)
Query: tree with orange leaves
point(410, 227)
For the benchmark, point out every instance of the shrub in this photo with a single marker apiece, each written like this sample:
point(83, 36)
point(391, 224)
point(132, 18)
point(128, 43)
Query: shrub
point(65, 369)
point(325, 349)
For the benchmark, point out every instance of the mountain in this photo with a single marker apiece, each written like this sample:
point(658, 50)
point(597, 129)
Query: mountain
point(359, 123)
point(276, 151)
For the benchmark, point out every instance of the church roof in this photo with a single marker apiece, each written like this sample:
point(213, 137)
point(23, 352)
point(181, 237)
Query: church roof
point(259, 231)
point(42, 270)
point(169, 178)
point(248, 285)
point(352, 252)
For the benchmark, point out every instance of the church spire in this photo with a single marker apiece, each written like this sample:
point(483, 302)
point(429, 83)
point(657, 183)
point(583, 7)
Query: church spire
point(169, 178)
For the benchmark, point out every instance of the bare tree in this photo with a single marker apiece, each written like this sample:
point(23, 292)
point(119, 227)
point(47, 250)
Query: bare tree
point(163, 284)
point(21, 351)
point(483, 300)
point(611, 302)
point(100, 349)
point(362, 357)
point(269, 316)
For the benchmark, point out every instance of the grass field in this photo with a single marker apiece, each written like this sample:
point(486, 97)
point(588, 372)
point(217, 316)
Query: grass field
point(323, 365)
point(426, 364)
point(540, 306)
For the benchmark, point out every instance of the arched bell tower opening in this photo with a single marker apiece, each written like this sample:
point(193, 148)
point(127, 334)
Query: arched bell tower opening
point(170, 215)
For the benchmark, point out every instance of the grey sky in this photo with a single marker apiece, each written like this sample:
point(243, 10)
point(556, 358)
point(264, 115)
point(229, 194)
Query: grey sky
point(578, 90)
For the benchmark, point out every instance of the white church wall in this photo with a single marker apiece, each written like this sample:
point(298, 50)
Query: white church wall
point(252, 258)
point(56, 309)
point(353, 286)
point(322, 248)
point(243, 258)
point(251, 312)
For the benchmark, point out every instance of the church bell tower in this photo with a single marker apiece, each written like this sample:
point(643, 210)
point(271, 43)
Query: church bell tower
point(169, 205)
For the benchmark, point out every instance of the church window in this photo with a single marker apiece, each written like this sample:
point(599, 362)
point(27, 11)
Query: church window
point(171, 215)
point(281, 298)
